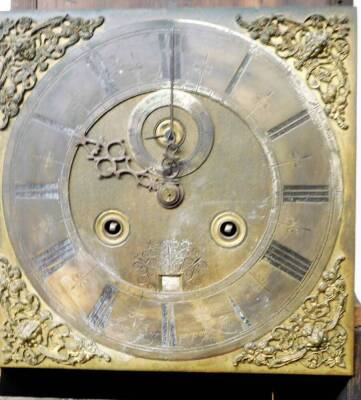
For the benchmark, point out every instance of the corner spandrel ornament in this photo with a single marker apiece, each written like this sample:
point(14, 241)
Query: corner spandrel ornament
point(313, 336)
point(27, 47)
point(30, 334)
point(318, 47)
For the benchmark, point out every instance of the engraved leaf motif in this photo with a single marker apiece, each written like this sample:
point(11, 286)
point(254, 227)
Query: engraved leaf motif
point(169, 257)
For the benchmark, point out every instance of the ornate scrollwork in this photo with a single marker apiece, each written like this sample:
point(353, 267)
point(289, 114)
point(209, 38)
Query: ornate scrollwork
point(112, 159)
point(318, 47)
point(26, 47)
point(30, 334)
point(313, 336)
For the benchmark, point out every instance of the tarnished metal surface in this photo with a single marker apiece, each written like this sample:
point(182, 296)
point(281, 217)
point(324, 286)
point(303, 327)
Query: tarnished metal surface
point(167, 287)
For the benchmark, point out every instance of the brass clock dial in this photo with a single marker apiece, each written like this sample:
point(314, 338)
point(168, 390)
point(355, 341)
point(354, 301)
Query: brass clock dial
point(174, 190)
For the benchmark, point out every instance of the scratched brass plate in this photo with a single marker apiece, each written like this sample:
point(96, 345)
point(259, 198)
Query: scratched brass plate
point(178, 190)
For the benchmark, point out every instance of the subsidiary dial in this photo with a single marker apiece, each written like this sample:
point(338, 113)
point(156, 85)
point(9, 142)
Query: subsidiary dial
point(193, 131)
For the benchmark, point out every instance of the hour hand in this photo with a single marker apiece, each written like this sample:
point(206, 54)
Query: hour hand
point(154, 137)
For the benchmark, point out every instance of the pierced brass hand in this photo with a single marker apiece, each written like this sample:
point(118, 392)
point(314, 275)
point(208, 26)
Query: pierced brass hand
point(111, 159)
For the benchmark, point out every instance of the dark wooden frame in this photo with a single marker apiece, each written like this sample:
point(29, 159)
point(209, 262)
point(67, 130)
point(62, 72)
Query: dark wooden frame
point(89, 4)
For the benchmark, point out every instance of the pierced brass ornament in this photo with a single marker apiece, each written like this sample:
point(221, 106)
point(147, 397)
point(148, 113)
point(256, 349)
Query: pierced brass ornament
point(314, 335)
point(27, 47)
point(112, 160)
point(31, 334)
point(318, 46)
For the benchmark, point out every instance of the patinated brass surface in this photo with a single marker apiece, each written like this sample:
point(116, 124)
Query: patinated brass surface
point(178, 190)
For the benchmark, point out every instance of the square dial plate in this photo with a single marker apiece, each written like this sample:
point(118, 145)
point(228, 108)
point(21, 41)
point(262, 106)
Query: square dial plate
point(178, 190)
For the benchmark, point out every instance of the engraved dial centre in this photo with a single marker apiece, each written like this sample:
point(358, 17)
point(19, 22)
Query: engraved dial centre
point(194, 222)
point(193, 130)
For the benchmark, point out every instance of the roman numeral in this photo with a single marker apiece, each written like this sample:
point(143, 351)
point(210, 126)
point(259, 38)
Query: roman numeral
point(97, 66)
point(288, 125)
point(170, 46)
point(100, 313)
point(239, 313)
point(168, 325)
point(47, 191)
point(55, 257)
point(287, 260)
point(306, 193)
point(237, 75)
point(55, 125)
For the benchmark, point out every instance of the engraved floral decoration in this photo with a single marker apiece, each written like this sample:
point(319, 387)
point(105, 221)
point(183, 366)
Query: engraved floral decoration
point(314, 336)
point(318, 47)
point(26, 47)
point(112, 160)
point(172, 258)
point(30, 334)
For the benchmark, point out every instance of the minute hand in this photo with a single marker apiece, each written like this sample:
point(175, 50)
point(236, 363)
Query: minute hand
point(171, 73)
